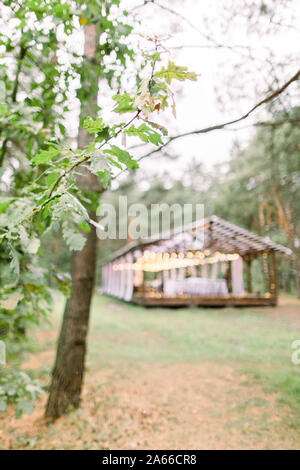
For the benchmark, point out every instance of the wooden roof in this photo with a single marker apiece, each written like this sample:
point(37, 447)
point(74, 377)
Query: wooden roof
point(218, 235)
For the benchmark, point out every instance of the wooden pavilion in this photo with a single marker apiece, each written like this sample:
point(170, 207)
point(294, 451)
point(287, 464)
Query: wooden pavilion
point(207, 263)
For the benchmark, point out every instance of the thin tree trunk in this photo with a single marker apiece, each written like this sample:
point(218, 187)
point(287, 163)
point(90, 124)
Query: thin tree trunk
point(69, 366)
point(68, 372)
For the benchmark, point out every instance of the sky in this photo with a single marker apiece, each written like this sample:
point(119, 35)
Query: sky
point(223, 73)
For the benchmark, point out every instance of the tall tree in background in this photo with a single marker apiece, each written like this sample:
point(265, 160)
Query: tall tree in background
point(263, 178)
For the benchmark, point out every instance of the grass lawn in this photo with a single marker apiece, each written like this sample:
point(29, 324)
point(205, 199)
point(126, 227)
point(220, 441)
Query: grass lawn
point(176, 378)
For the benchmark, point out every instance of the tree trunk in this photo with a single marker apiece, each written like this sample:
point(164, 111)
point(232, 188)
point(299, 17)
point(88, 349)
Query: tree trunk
point(69, 366)
point(68, 372)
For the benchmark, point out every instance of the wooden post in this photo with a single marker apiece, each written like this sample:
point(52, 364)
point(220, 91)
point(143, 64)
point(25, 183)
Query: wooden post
point(266, 270)
point(229, 280)
point(273, 276)
point(248, 275)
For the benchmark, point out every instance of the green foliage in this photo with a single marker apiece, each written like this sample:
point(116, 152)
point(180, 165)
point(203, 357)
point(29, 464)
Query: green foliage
point(45, 156)
point(74, 240)
point(24, 296)
point(124, 103)
point(145, 134)
point(161, 128)
point(18, 389)
point(175, 72)
point(123, 156)
point(93, 126)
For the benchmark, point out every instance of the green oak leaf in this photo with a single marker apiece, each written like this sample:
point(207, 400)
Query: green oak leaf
point(175, 72)
point(144, 133)
point(45, 156)
point(124, 103)
point(93, 126)
point(123, 156)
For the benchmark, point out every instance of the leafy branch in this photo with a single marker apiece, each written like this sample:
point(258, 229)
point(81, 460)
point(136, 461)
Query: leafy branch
point(86, 159)
point(54, 195)
point(20, 58)
point(225, 124)
point(125, 103)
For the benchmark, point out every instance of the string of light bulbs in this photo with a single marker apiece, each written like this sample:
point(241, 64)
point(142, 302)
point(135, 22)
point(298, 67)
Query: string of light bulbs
point(154, 262)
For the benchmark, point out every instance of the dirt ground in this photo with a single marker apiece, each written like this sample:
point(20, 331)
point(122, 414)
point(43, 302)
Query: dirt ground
point(203, 405)
point(287, 311)
point(161, 407)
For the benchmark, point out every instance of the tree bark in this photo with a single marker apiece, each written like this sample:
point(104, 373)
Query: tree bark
point(68, 372)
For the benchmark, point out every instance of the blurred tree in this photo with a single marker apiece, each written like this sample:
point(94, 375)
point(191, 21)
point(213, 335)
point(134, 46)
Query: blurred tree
point(264, 179)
